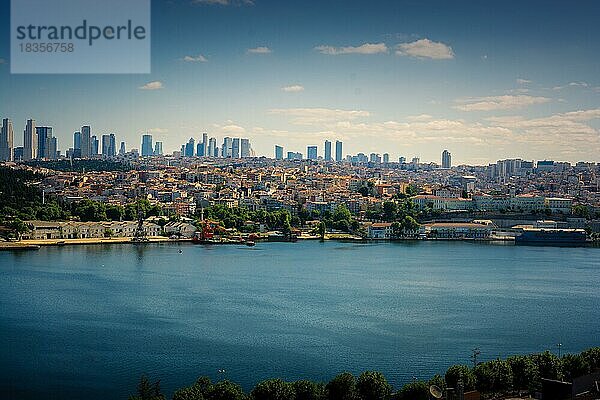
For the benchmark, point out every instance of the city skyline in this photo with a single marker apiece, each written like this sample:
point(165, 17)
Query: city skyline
point(402, 79)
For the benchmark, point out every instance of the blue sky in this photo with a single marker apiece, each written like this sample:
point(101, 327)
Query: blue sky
point(486, 80)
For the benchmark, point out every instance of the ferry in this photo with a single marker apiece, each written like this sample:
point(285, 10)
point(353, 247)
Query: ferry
point(552, 237)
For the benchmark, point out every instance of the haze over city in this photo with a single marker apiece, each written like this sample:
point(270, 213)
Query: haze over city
point(404, 78)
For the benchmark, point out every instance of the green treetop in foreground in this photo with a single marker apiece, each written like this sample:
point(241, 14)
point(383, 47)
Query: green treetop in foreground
point(494, 378)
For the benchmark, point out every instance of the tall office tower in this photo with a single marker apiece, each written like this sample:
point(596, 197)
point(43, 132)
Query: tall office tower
point(7, 141)
point(182, 150)
point(52, 148)
point(227, 147)
point(105, 145)
point(77, 140)
point(158, 151)
point(402, 160)
point(95, 146)
point(446, 159)
point(122, 149)
point(147, 149)
point(386, 158)
point(199, 149)
point(311, 152)
point(278, 152)
point(29, 141)
point(213, 150)
point(44, 136)
point(205, 144)
point(375, 158)
point(235, 148)
point(338, 151)
point(189, 148)
point(86, 141)
point(112, 145)
point(327, 150)
point(244, 148)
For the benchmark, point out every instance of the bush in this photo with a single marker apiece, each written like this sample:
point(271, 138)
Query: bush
point(372, 385)
point(456, 372)
point(342, 387)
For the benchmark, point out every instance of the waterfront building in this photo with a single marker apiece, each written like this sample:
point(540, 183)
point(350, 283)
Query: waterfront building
point(278, 152)
point(338, 151)
point(29, 141)
point(7, 141)
point(147, 148)
point(446, 159)
point(328, 150)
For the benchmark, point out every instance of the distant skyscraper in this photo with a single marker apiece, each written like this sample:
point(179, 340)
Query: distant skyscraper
point(311, 152)
point(52, 148)
point(158, 151)
point(446, 159)
point(147, 149)
point(199, 149)
point(18, 153)
point(235, 148)
point(122, 150)
point(105, 145)
point(401, 160)
point(189, 148)
point(338, 151)
point(204, 144)
point(112, 148)
point(213, 150)
point(227, 147)
point(86, 141)
point(7, 141)
point(95, 146)
point(278, 152)
point(386, 158)
point(29, 141)
point(245, 148)
point(77, 141)
point(44, 139)
point(327, 150)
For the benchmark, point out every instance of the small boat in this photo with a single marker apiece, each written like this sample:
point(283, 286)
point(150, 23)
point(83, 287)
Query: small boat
point(250, 243)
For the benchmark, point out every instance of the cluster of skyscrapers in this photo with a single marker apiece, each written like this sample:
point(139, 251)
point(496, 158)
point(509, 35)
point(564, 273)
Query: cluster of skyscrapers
point(38, 142)
point(230, 148)
point(312, 152)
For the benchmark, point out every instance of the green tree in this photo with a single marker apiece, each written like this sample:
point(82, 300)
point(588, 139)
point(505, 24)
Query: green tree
point(273, 389)
point(438, 381)
point(372, 385)
point(548, 364)
point(390, 211)
point(526, 375)
point(18, 227)
point(416, 390)
point(573, 366)
point(307, 390)
point(493, 376)
point(321, 229)
point(147, 390)
point(225, 390)
point(115, 212)
point(592, 358)
point(456, 372)
point(342, 387)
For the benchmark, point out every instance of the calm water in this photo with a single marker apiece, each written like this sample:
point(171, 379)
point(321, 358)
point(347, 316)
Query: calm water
point(87, 321)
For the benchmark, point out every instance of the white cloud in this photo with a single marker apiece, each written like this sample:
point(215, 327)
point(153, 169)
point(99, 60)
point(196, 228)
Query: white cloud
point(293, 88)
point(311, 116)
point(505, 102)
point(198, 58)
point(260, 50)
point(522, 81)
point(154, 85)
point(367, 48)
point(157, 131)
point(425, 48)
point(571, 84)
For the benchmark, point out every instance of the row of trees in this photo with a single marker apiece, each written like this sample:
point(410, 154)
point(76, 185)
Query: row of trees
point(516, 373)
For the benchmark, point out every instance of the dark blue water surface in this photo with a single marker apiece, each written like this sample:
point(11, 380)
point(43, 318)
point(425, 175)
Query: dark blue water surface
point(86, 321)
